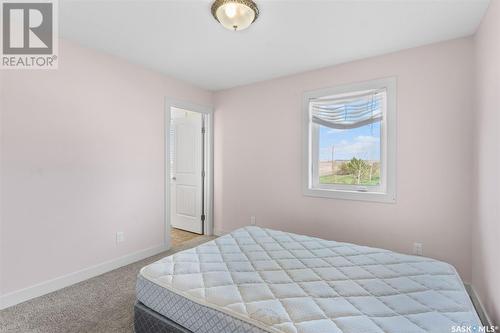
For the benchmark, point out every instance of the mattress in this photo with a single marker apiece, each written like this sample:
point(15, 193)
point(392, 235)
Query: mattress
point(262, 280)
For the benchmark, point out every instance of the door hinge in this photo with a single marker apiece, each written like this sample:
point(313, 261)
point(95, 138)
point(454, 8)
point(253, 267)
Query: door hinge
point(203, 130)
point(202, 217)
point(203, 174)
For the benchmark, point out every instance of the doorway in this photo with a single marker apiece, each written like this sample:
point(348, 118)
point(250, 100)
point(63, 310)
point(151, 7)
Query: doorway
point(189, 172)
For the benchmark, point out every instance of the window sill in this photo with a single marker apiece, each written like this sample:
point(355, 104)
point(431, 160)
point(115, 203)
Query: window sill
point(351, 195)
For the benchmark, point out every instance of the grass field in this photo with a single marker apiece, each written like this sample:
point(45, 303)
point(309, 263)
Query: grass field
point(346, 179)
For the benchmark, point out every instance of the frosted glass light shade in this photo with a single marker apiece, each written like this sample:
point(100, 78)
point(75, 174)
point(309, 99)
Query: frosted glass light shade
point(235, 14)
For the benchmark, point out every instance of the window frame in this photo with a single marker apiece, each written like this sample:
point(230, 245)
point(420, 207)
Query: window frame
point(386, 191)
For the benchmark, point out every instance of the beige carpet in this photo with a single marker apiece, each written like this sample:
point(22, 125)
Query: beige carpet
point(101, 304)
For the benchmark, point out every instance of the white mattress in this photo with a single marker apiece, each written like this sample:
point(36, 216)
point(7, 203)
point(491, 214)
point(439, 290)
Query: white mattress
point(262, 280)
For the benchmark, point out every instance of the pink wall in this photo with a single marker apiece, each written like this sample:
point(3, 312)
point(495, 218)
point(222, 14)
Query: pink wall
point(83, 157)
point(258, 156)
point(486, 235)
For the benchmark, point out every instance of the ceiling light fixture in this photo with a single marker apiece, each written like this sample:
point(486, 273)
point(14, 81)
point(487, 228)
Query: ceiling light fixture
point(235, 14)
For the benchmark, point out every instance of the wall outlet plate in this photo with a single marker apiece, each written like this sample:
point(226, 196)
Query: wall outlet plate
point(418, 249)
point(120, 237)
point(252, 220)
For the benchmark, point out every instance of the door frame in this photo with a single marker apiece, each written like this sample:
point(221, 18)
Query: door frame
point(208, 112)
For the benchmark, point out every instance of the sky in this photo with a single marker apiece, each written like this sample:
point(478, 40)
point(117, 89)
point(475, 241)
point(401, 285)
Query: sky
point(362, 142)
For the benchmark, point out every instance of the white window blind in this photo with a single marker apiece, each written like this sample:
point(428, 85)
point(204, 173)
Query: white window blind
point(349, 111)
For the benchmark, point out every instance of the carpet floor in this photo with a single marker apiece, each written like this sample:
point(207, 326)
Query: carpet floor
point(101, 304)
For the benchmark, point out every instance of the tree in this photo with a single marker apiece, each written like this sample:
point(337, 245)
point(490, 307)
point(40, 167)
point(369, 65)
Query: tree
point(358, 168)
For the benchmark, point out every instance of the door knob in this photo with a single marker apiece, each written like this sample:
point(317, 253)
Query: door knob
point(174, 178)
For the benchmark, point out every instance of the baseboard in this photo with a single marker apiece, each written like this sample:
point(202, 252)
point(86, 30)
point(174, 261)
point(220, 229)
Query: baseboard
point(220, 232)
point(481, 311)
point(49, 286)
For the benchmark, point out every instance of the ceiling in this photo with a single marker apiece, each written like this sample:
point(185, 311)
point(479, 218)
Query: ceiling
point(181, 39)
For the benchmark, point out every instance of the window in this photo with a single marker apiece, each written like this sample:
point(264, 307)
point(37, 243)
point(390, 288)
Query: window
point(349, 144)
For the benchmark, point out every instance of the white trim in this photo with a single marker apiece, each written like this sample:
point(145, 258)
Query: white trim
point(209, 163)
point(209, 204)
point(388, 131)
point(476, 301)
point(60, 282)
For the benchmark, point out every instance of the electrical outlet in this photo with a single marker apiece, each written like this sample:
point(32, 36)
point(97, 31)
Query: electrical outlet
point(252, 220)
point(120, 237)
point(418, 249)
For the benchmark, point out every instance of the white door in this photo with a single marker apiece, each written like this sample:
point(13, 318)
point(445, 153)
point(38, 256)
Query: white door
point(186, 175)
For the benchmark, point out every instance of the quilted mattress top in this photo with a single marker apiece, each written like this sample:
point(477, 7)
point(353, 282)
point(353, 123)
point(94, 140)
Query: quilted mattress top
point(283, 282)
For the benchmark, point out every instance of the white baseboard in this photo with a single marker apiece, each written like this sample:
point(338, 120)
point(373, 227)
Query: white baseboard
point(220, 232)
point(60, 282)
point(481, 311)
